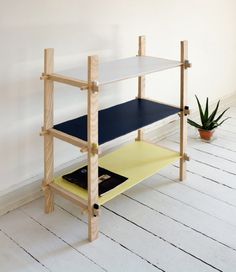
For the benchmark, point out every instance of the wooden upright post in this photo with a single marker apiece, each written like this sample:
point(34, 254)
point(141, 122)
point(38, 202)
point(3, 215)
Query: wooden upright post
point(183, 104)
point(141, 79)
point(92, 127)
point(48, 123)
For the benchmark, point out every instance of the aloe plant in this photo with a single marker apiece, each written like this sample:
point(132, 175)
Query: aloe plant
point(209, 121)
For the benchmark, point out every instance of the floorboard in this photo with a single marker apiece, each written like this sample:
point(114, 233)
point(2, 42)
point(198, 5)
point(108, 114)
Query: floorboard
point(15, 258)
point(182, 237)
point(185, 214)
point(204, 166)
point(144, 243)
point(202, 185)
point(45, 247)
point(74, 232)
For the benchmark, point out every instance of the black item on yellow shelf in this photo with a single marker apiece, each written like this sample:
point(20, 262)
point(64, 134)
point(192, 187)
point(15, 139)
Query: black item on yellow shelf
point(107, 180)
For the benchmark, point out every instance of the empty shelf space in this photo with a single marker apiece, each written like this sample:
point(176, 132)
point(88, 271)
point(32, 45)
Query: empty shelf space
point(136, 161)
point(124, 68)
point(119, 120)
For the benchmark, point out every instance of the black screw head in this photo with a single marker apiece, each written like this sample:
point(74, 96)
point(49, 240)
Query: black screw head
point(96, 206)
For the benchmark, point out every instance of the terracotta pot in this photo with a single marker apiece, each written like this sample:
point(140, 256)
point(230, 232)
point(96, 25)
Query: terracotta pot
point(205, 134)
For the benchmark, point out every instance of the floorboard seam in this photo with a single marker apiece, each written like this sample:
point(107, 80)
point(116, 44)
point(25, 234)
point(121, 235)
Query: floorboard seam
point(112, 239)
point(161, 238)
point(206, 152)
point(213, 180)
point(210, 179)
point(223, 147)
point(215, 167)
point(60, 238)
point(197, 190)
point(177, 221)
point(199, 150)
point(207, 213)
point(26, 251)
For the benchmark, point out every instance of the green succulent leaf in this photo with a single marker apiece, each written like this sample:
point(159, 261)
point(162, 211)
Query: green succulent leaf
point(194, 124)
point(200, 110)
point(212, 116)
point(220, 116)
point(208, 121)
point(206, 110)
point(223, 121)
point(213, 125)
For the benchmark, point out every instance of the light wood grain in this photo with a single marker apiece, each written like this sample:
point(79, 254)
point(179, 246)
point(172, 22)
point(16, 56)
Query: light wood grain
point(48, 123)
point(70, 196)
point(183, 103)
point(141, 79)
point(68, 138)
point(93, 222)
point(83, 85)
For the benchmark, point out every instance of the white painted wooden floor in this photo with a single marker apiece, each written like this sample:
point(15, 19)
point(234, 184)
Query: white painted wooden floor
point(159, 225)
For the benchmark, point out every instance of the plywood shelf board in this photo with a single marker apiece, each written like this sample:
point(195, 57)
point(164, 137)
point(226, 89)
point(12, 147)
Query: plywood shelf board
point(119, 120)
point(137, 161)
point(124, 68)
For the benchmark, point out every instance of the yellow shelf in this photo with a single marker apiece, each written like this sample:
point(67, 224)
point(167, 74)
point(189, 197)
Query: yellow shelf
point(137, 161)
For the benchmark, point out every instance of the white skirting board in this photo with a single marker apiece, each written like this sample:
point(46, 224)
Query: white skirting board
point(31, 190)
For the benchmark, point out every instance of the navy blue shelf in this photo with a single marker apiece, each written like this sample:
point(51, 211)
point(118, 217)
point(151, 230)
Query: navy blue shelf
point(119, 120)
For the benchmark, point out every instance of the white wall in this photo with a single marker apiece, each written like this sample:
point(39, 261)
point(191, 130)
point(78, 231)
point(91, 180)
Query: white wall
point(77, 28)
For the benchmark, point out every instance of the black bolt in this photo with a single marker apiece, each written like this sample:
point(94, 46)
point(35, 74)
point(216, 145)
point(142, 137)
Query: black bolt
point(96, 206)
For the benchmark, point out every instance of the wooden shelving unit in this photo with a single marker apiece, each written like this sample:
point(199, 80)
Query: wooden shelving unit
point(138, 160)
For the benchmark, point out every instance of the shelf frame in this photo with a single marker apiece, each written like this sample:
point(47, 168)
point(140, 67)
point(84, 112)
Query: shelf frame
point(91, 205)
point(48, 138)
point(141, 79)
point(68, 138)
point(183, 105)
point(92, 132)
point(83, 85)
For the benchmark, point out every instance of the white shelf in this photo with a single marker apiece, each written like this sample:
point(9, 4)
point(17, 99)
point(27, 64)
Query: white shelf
point(124, 68)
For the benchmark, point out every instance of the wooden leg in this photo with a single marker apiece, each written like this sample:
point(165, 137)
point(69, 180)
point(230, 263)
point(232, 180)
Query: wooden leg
point(141, 79)
point(183, 116)
point(183, 143)
point(49, 200)
point(92, 127)
point(48, 170)
point(93, 221)
point(48, 123)
point(140, 135)
point(182, 170)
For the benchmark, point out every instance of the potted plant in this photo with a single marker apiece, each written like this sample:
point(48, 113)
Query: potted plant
point(209, 121)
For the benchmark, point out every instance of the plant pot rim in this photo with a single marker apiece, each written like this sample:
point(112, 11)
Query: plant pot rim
point(202, 129)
